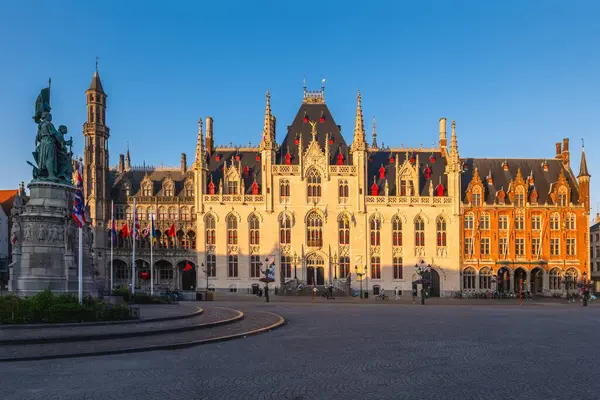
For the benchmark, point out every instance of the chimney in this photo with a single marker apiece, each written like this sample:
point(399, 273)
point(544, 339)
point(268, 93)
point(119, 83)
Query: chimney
point(121, 167)
point(597, 219)
point(565, 152)
point(443, 141)
point(209, 135)
point(558, 151)
point(183, 163)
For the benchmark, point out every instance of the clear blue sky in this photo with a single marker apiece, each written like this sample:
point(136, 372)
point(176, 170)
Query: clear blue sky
point(517, 76)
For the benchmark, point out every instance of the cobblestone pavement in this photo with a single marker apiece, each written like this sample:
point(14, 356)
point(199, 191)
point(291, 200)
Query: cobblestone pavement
point(349, 351)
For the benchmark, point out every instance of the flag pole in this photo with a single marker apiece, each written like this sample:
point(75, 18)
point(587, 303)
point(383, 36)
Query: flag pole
point(80, 272)
point(133, 252)
point(152, 256)
point(112, 240)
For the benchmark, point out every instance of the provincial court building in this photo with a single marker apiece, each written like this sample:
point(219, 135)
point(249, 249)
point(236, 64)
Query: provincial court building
point(328, 210)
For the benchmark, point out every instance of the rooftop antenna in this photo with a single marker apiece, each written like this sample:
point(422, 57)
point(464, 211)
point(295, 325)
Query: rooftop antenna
point(304, 83)
point(96, 64)
point(323, 84)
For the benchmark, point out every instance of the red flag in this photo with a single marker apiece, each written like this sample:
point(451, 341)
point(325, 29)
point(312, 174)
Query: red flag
point(125, 231)
point(188, 266)
point(171, 231)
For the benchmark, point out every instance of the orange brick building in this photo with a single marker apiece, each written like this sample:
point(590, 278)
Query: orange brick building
point(525, 220)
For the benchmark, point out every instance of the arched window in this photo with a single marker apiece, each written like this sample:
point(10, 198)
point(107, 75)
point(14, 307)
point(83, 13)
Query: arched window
point(484, 221)
point(375, 228)
point(344, 267)
point(375, 267)
point(192, 239)
point(209, 225)
point(419, 232)
point(150, 213)
point(284, 191)
point(441, 231)
point(469, 279)
point(554, 279)
point(485, 278)
point(129, 213)
point(185, 213)
point(571, 222)
point(343, 191)
point(285, 230)
point(254, 225)
point(314, 230)
point(193, 213)
point(141, 214)
point(168, 189)
point(313, 179)
point(162, 213)
point(554, 222)
point(232, 225)
point(572, 275)
point(147, 189)
point(344, 230)
point(520, 196)
point(396, 231)
point(469, 221)
point(173, 213)
point(562, 197)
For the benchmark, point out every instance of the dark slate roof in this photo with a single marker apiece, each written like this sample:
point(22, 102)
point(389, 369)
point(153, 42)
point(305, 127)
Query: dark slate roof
point(96, 83)
point(378, 157)
point(247, 158)
point(299, 127)
point(583, 169)
point(543, 180)
point(595, 227)
point(157, 176)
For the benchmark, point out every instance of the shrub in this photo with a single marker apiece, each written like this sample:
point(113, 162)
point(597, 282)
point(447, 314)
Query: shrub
point(46, 307)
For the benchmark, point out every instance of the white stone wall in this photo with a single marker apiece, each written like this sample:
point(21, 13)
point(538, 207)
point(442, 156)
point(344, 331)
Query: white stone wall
point(4, 235)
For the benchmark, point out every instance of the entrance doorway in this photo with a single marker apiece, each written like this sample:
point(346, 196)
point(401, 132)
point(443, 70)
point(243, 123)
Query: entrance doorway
point(503, 281)
point(520, 278)
point(434, 288)
point(536, 284)
point(188, 278)
point(315, 270)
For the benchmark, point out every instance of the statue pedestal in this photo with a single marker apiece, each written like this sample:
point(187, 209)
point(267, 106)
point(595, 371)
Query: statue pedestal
point(45, 255)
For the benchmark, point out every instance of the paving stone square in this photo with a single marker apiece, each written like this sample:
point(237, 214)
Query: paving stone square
point(350, 351)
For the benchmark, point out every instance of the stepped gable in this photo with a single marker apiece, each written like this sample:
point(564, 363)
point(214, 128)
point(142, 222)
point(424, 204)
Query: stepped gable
point(248, 159)
point(314, 112)
point(156, 175)
point(376, 158)
point(543, 180)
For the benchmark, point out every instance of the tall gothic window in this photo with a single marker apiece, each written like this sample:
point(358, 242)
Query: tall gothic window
point(232, 266)
point(344, 267)
point(476, 197)
point(485, 278)
point(441, 231)
point(162, 213)
point(129, 213)
point(150, 213)
point(286, 267)
point(285, 230)
point(375, 231)
point(469, 221)
point(313, 179)
point(344, 230)
point(211, 265)
point(189, 190)
point(173, 213)
point(571, 221)
point(232, 187)
point(141, 214)
point(375, 267)
point(469, 279)
point(210, 230)
point(254, 266)
point(555, 279)
point(314, 230)
point(484, 221)
point(396, 231)
point(168, 190)
point(419, 232)
point(554, 222)
point(343, 191)
point(147, 189)
point(254, 225)
point(562, 196)
point(519, 197)
point(284, 191)
point(185, 213)
point(397, 264)
point(232, 233)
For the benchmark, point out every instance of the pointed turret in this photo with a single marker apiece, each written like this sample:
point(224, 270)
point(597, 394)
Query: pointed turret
point(583, 169)
point(359, 142)
point(454, 145)
point(199, 160)
point(127, 160)
point(267, 127)
point(96, 84)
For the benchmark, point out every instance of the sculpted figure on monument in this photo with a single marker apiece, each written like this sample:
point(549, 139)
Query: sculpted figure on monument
point(51, 155)
point(28, 235)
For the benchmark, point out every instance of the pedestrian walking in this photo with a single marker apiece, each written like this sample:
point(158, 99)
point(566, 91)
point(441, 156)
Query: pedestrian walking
point(414, 292)
point(586, 296)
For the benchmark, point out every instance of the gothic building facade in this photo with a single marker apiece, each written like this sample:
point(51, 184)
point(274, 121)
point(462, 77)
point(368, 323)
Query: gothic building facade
point(322, 209)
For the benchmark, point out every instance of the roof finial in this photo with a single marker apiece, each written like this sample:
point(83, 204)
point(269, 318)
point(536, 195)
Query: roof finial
point(323, 84)
point(582, 145)
point(96, 64)
point(304, 83)
point(374, 145)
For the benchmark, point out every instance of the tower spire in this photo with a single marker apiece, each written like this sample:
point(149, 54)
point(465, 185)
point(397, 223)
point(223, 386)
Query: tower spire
point(453, 144)
point(358, 142)
point(199, 145)
point(583, 168)
point(374, 145)
point(267, 128)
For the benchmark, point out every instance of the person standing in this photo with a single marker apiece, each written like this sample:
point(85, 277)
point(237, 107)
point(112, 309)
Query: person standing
point(414, 292)
point(267, 293)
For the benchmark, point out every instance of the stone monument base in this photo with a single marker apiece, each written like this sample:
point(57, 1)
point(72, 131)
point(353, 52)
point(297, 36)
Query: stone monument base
point(45, 255)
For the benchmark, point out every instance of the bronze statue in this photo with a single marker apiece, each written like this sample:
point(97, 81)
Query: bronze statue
point(53, 159)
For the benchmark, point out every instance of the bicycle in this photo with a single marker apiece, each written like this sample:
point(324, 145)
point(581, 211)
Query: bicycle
point(383, 297)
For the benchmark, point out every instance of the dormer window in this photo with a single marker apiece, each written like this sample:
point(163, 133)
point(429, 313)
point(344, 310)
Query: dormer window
point(288, 159)
point(238, 157)
point(211, 188)
point(127, 188)
point(147, 189)
point(562, 197)
point(382, 171)
point(258, 157)
point(374, 188)
point(218, 157)
point(412, 159)
point(340, 159)
point(392, 159)
point(440, 190)
point(246, 171)
point(168, 190)
point(519, 197)
point(505, 165)
point(432, 158)
point(254, 188)
point(427, 172)
point(322, 119)
point(189, 190)
point(476, 197)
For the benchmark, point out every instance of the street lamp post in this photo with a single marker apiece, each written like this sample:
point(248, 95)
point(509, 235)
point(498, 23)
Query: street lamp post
point(335, 265)
point(266, 273)
point(423, 271)
point(295, 265)
point(360, 275)
point(205, 270)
